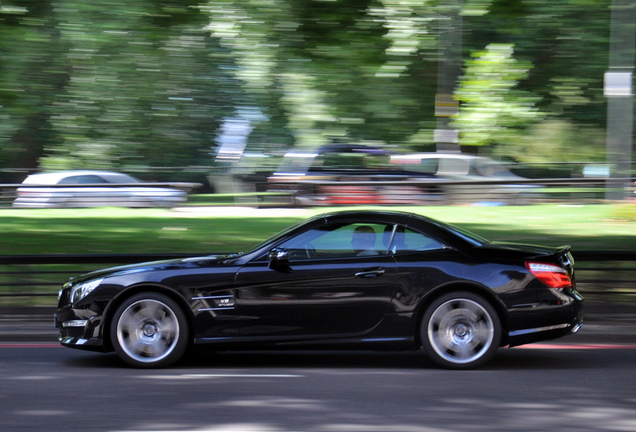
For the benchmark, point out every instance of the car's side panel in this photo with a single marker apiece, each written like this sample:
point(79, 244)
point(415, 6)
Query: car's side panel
point(315, 297)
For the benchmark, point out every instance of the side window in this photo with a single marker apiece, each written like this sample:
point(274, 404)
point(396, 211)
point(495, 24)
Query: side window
point(69, 180)
point(82, 179)
point(428, 166)
point(90, 179)
point(350, 161)
point(453, 166)
point(338, 241)
point(407, 240)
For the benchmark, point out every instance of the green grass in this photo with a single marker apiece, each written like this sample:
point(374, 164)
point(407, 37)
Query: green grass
point(113, 230)
point(589, 227)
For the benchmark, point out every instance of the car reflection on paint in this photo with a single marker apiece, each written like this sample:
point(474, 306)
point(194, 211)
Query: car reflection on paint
point(359, 279)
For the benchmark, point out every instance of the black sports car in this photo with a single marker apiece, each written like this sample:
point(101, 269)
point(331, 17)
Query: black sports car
point(368, 279)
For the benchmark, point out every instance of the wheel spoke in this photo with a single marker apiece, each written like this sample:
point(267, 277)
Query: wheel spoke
point(444, 339)
point(464, 350)
point(138, 311)
point(168, 329)
point(441, 316)
point(128, 324)
point(135, 344)
point(482, 332)
point(148, 311)
point(154, 348)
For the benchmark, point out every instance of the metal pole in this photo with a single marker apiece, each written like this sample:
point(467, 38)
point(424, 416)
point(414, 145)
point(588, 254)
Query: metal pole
point(449, 70)
point(620, 99)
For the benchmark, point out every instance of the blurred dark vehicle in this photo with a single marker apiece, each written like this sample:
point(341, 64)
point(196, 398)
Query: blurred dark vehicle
point(119, 190)
point(493, 182)
point(350, 174)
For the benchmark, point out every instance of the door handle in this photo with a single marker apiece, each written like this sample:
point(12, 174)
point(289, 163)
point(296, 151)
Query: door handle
point(371, 273)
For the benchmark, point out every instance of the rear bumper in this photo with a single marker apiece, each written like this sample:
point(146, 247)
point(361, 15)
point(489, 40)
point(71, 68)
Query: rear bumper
point(547, 322)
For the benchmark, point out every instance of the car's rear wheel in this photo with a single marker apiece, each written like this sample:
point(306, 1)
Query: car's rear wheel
point(149, 330)
point(460, 330)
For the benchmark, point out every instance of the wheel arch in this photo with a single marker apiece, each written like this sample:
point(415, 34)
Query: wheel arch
point(473, 288)
point(121, 297)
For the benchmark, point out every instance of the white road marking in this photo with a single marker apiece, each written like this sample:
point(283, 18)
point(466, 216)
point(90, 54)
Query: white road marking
point(218, 375)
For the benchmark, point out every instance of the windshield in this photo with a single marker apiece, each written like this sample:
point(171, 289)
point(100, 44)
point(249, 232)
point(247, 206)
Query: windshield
point(275, 236)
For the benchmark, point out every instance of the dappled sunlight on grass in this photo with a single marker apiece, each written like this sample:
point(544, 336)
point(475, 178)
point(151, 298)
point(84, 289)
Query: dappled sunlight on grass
point(114, 230)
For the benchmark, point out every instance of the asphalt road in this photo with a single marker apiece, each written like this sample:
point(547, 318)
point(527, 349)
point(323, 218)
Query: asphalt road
point(552, 387)
point(583, 382)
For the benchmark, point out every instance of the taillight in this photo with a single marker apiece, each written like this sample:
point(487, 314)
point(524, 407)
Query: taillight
point(550, 274)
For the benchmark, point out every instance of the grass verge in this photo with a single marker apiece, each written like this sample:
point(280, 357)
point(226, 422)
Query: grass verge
point(212, 230)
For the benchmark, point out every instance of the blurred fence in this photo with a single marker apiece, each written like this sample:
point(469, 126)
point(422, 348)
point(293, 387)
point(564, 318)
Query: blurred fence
point(572, 183)
point(34, 280)
point(449, 192)
point(96, 194)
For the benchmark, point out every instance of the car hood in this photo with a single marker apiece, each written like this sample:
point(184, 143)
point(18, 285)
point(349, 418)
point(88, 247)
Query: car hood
point(153, 266)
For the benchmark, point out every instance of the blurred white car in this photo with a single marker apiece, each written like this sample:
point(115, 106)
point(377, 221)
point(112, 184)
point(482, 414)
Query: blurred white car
point(84, 189)
point(456, 166)
point(481, 179)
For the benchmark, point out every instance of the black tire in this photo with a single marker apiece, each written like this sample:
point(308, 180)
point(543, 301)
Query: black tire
point(149, 330)
point(460, 330)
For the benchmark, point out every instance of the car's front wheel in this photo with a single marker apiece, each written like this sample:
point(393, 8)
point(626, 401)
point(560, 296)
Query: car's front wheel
point(460, 330)
point(149, 330)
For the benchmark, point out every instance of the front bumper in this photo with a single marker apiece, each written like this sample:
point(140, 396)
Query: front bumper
point(79, 329)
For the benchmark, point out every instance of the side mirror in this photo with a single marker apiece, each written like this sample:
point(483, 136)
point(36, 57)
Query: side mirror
point(278, 257)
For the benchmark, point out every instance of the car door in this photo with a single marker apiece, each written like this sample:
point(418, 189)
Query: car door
point(423, 264)
point(83, 196)
point(324, 286)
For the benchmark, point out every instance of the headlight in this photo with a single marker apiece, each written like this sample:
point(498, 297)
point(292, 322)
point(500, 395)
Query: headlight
point(80, 291)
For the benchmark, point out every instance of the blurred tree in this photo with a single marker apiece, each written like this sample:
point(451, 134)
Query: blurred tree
point(146, 86)
point(492, 109)
point(151, 82)
point(110, 85)
point(555, 140)
point(350, 70)
point(367, 70)
point(567, 43)
point(31, 75)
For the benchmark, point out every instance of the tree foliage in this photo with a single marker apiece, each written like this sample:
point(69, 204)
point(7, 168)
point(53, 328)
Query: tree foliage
point(123, 84)
point(493, 110)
